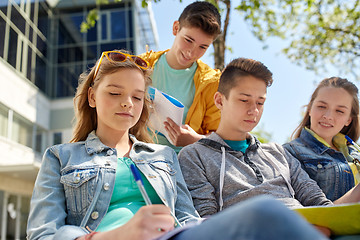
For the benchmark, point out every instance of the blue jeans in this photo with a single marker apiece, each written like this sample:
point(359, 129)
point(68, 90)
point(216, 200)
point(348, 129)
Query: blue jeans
point(260, 218)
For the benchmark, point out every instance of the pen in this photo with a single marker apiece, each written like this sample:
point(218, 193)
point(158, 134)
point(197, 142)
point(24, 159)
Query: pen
point(143, 192)
point(353, 143)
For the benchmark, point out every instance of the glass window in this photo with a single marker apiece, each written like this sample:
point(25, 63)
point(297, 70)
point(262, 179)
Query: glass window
point(70, 29)
point(131, 28)
point(3, 121)
point(22, 131)
point(2, 36)
point(67, 81)
point(70, 54)
point(91, 52)
point(40, 140)
point(12, 48)
point(41, 46)
point(118, 25)
point(29, 70)
point(40, 74)
point(13, 215)
point(104, 26)
point(57, 138)
point(18, 19)
point(43, 19)
point(92, 34)
point(114, 45)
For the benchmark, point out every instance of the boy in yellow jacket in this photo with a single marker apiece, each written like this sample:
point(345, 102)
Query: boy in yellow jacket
point(179, 73)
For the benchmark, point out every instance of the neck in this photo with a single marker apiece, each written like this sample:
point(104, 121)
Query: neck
point(231, 135)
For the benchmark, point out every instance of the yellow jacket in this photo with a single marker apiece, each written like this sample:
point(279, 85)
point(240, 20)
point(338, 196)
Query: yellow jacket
point(203, 116)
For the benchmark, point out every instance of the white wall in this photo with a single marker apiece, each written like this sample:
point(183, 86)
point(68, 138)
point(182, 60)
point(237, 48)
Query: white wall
point(23, 97)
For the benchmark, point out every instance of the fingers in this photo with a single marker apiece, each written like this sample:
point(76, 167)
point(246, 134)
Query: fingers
point(159, 217)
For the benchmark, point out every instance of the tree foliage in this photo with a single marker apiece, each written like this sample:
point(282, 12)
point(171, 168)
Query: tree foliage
point(318, 32)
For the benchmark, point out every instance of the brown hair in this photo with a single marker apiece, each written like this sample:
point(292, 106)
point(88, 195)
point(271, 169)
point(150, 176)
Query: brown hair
point(242, 67)
point(86, 116)
point(202, 15)
point(353, 129)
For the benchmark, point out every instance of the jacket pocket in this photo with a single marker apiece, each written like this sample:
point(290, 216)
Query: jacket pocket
point(166, 171)
point(79, 185)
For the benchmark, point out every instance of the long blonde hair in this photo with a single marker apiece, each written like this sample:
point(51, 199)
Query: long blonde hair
point(352, 130)
point(86, 116)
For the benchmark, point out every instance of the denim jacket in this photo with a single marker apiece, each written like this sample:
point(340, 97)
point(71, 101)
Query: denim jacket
point(328, 167)
point(75, 183)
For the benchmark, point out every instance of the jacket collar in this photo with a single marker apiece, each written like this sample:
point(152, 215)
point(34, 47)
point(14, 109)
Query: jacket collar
point(312, 142)
point(94, 145)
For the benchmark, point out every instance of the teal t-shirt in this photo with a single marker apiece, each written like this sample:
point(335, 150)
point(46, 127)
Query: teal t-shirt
point(238, 145)
point(126, 198)
point(176, 83)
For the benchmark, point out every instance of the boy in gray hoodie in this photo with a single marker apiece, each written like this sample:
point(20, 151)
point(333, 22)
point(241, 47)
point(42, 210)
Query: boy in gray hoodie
point(231, 165)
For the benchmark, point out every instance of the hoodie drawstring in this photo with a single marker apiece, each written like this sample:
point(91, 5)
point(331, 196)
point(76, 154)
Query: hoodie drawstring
point(222, 178)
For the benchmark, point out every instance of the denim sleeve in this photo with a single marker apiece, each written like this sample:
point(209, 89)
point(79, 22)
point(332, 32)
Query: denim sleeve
point(184, 207)
point(201, 190)
point(47, 207)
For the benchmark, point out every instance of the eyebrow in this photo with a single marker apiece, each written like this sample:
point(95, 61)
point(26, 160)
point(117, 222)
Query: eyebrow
point(341, 106)
point(248, 95)
point(121, 87)
point(203, 45)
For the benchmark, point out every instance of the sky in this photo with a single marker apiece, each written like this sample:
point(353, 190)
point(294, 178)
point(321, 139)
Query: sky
point(292, 86)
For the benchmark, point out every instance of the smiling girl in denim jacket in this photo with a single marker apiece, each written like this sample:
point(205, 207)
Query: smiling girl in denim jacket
point(319, 141)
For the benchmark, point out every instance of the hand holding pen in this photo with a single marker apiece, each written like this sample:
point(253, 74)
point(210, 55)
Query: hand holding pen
point(140, 184)
point(352, 143)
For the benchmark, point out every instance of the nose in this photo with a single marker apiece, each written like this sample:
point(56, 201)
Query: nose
point(253, 109)
point(327, 114)
point(190, 51)
point(126, 102)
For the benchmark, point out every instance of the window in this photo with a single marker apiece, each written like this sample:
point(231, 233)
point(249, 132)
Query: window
point(22, 130)
point(2, 36)
point(3, 121)
point(57, 138)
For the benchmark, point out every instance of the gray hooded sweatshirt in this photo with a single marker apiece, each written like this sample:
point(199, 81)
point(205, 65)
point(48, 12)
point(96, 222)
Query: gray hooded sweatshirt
point(219, 177)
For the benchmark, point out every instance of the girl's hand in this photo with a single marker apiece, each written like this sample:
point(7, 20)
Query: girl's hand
point(181, 135)
point(148, 223)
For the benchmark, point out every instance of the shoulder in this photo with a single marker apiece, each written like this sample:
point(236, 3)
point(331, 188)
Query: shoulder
point(206, 73)
point(152, 56)
point(65, 148)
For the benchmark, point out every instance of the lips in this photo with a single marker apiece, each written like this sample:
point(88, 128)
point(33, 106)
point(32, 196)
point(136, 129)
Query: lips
point(250, 121)
point(124, 114)
point(323, 124)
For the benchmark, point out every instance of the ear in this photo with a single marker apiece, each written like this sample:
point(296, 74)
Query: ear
point(218, 99)
point(176, 27)
point(348, 121)
point(91, 97)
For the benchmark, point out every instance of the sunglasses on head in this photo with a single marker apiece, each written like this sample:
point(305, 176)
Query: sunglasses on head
point(117, 56)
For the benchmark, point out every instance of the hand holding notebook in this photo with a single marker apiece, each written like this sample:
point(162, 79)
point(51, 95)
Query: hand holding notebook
point(164, 106)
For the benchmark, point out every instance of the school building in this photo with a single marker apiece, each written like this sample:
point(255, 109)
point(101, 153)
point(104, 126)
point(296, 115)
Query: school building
point(42, 53)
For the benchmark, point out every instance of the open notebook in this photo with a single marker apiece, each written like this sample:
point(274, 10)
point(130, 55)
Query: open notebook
point(341, 219)
point(164, 106)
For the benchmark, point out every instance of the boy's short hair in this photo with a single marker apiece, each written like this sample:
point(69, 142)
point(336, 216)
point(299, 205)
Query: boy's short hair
point(202, 15)
point(242, 67)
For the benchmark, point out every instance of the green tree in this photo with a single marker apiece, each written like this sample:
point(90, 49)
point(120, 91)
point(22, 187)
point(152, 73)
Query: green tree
point(319, 33)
